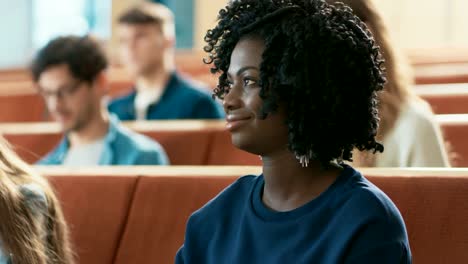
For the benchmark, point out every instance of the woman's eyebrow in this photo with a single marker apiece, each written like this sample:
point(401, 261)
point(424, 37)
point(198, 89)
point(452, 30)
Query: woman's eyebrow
point(243, 69)
point(246, 68)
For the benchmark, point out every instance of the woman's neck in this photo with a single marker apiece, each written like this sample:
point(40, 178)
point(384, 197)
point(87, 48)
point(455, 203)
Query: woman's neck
point(288, 185)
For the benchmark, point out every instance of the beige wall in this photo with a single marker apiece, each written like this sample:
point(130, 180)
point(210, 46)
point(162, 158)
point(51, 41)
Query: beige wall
point(206, 12)
point(413, 23)
point(460, 22)
point(426, 23)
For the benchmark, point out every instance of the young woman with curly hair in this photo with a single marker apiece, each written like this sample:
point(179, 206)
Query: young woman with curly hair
point(299, 80)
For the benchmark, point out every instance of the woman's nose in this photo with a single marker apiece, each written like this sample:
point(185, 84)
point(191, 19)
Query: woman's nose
point(232, 99)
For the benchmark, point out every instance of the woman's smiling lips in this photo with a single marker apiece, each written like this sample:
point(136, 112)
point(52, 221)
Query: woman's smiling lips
point(234, 121)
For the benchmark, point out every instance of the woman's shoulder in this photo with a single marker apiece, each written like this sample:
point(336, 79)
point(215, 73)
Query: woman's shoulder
point(233, 197)
point(418, 112)
point(374, 221)
point(422, 122)
point(364, 194)
point(236, 191)
point(416, 116)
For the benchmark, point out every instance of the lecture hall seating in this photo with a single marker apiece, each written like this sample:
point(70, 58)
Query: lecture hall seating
point(187, 142)
point(138, 215)
point(431, 66)
point(455, 131)
point(445, 98)
point(25, 105)
point(200, 142)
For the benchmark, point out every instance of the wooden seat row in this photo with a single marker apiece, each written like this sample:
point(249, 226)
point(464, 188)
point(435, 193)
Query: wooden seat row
point(443, 98)
point(188, 142)
point(435, 65)
point(199, 142)
point(138, 215)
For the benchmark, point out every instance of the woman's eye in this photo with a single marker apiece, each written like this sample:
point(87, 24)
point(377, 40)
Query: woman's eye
point(248, 82)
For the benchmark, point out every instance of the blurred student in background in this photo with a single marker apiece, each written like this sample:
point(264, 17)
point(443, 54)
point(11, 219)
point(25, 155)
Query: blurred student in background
point(408, 129)
point(32, 228)
point(147, 47)
point(70, 75)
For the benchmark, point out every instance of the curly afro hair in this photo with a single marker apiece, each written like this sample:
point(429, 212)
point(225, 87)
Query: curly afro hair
point(321, 61)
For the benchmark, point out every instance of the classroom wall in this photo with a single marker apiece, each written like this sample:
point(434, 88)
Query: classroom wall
point(206, 12)
point(412, 23)
point(426, 23)
point(15, 50)
point(460, 22)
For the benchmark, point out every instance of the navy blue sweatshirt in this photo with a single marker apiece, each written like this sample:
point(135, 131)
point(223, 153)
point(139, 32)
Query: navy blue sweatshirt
point(351, 222)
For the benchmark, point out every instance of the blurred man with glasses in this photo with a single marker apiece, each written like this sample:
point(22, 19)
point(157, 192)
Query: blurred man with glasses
point(69, 73)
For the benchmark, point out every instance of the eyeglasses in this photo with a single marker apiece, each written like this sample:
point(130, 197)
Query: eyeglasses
point(63, 93)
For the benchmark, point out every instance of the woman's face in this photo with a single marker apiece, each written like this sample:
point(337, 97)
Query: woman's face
point(243, 104)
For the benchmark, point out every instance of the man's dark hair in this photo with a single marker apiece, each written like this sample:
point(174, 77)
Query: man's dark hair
point(83, 55)
point(320, 61)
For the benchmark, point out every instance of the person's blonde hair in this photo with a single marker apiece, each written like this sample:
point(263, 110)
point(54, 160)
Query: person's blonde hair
point(398, 88)
point(24, 237)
